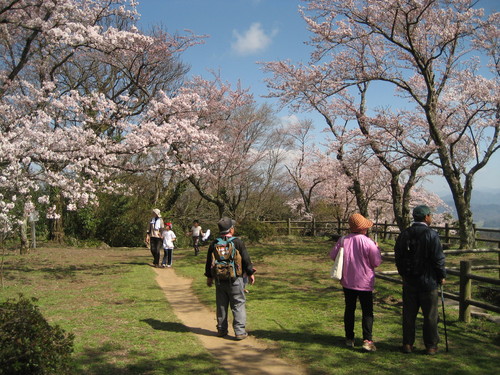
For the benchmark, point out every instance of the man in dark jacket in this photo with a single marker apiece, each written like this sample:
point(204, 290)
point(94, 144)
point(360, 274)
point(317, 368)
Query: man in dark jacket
point(230, 292)
point(420, 262)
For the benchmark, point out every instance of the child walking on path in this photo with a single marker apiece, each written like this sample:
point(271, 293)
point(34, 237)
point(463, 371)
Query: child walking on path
point(196, 233)
point(168, 245)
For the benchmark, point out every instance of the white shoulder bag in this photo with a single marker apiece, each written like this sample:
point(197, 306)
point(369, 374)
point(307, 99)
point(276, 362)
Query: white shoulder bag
point(336, 271)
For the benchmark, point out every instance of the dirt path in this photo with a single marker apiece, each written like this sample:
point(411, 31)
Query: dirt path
point(258, 358)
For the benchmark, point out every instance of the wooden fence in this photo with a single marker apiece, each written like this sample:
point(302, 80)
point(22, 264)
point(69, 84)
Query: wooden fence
point(382, 230)
point(385, 231)
point(464, 297)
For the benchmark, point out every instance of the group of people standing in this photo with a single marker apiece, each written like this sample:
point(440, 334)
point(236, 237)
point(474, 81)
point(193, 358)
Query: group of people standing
point(361, 255)
point(427, 262)
point(160, 236)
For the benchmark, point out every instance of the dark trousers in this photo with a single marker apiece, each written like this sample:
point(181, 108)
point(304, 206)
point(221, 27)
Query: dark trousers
point(156, 247)
point(413, 300)
point(167, 257)
point(196, 245)
point(366, 301)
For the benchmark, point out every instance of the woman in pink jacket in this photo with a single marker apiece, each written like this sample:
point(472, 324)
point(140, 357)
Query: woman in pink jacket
point(361, 257)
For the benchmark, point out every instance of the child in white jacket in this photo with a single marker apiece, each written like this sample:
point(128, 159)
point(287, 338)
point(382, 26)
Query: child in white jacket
point(168, 245)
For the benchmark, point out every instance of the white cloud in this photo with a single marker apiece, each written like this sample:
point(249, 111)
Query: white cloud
point(289, 120)
point(252, 41)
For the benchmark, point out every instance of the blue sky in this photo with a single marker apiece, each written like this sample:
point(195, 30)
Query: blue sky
point(241, 33)
point(244, 32)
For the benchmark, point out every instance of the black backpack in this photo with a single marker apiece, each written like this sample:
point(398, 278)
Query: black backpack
point(410, 259)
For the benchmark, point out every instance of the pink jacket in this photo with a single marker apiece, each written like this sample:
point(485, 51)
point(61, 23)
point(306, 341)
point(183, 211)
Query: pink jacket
point(361, 257)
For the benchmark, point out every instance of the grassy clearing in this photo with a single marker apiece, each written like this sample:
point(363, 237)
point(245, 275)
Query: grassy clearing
point(296, 307)
point(108, 298)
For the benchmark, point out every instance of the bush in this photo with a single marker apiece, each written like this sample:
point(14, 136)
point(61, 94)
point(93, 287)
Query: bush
point(255, 230)
point(29, 345)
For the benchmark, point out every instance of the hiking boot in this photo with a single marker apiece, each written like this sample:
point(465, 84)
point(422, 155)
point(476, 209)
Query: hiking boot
point(349, 343)
point(369, 346)
point(242, 336)
point(431, 351)
point(221, 333)
point(407, 348)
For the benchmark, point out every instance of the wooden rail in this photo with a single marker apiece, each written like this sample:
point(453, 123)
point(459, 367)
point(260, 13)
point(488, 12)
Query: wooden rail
point(383, 230)
point(464, 298)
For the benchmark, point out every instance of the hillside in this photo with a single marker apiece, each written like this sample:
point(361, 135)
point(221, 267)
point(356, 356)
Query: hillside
point(485, 207)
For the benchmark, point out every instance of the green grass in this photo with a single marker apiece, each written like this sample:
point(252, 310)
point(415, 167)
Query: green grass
point(295, 306)
point(111, 302)
point(123, 325)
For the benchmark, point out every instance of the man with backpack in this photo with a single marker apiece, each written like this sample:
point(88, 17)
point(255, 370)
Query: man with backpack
point(421, 263)
point(227, 261)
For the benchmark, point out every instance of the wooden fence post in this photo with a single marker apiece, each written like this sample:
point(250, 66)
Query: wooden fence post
point(289, 226)
point(385, 230)
point(474, 234)
point(447, 233)
point(465, 291)
point(313, 227)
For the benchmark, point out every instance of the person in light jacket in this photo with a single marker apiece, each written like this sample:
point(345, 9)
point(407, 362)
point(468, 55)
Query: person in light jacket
point(361, 257)
point(153, 236)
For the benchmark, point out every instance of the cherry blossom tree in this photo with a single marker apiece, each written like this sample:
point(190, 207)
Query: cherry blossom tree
point(433, 53)
point(301, 166)
point(80, 103)
point(237, 170)
point(320, 180)
point(305, 88)
point(400, 144)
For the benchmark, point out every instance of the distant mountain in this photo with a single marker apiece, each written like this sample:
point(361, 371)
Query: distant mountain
point(485, 207)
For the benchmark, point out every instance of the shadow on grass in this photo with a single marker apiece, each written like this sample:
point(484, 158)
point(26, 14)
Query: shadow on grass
point(177, 327)
point(335, 357)
point(300, 337)
point(69, 272)
point(165, 326)
point(136, 263)
point(112, 359)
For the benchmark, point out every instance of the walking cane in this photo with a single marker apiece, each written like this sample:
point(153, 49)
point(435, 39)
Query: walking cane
point(444, 319)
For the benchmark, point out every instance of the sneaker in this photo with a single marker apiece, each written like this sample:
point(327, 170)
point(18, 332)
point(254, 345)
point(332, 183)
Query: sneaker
point(242, 336)
point(349, 343)
point(169, 266)
point(369, 346)
point(163, 266)
point(431, 351)
point(407, 348)
point(221, 333)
